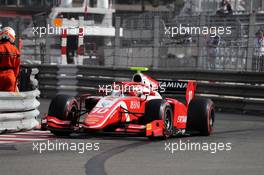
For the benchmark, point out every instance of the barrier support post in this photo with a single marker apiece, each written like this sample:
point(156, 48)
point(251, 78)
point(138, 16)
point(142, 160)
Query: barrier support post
point(81, 34)
point(201, 55)
point(156, 44)
point(117, 40)
point(250, 46)
point(47, 56)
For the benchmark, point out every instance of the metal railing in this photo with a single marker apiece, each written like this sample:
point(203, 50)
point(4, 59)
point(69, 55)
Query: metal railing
point(146, 41)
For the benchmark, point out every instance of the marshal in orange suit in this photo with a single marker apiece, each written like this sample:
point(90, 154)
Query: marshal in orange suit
point(9, 60)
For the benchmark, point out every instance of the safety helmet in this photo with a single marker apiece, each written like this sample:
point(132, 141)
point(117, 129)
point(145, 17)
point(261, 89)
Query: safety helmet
point(8, 33)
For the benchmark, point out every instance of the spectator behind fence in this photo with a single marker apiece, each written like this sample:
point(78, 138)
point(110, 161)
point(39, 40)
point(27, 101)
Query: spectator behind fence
point(259, 51)
point(225, 8)
point(212, 43)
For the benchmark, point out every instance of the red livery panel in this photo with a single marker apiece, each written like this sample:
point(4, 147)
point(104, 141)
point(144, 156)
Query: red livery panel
point(133, 107)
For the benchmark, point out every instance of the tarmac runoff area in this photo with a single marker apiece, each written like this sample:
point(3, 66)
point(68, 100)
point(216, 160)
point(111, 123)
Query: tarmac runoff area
point(236, 147)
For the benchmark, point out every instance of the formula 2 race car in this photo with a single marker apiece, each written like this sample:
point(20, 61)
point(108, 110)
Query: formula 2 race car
point(133, 107)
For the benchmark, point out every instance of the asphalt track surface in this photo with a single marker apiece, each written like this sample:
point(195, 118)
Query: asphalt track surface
point(123, 155)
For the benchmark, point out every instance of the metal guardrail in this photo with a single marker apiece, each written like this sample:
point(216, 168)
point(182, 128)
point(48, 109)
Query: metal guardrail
point(231, 91)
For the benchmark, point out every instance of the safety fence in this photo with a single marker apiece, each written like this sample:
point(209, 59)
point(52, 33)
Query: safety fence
point(231, 91)
point(161, 40)
point(165, 41)
point(18, 110)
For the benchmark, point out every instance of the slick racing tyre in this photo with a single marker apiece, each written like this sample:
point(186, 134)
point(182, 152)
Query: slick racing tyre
point(201, 116)
point(63, 107)
point(160, 110)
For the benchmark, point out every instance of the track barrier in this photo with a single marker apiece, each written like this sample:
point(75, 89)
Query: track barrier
point(231, 91)
point(18, 110)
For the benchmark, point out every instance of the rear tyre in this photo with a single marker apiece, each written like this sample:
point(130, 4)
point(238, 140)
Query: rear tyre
point(201, 116)
point(160, 110)
point(64, 107)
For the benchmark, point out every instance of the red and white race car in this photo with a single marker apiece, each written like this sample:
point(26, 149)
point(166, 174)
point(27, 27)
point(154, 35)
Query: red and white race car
point(133, 107)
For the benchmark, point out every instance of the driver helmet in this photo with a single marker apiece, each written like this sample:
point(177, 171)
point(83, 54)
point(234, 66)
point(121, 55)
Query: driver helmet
point(8, 33)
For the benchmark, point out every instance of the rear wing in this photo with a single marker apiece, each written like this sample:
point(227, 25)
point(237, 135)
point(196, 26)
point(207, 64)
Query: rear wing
point(178, 87)
point(166, 86)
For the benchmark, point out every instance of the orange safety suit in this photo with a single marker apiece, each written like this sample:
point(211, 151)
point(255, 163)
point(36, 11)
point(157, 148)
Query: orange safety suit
point(9, 66)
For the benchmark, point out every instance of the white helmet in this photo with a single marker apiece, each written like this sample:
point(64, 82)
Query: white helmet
point(8, 33)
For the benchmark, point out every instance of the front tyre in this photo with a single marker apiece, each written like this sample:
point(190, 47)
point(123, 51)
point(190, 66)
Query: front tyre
point(64, 107)
point(167, 118)
point(160, 110)
point(201, 116)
